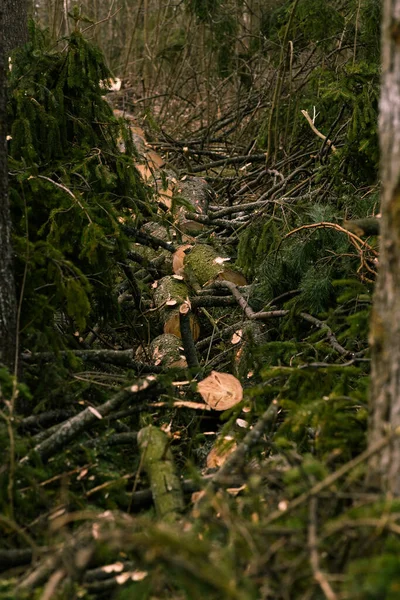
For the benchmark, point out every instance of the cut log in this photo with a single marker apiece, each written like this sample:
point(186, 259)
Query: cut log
point(168, 296)
point(166, 350)
point(204, 264)
point(196, 192)
point(178, 259)
point(220, 390)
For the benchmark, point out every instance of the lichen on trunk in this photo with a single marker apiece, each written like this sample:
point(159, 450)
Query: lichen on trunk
point(384, 468)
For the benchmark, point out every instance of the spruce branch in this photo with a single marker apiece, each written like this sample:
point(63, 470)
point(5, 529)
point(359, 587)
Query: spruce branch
point(237, 458)
point(361, 246)
point(63, 187)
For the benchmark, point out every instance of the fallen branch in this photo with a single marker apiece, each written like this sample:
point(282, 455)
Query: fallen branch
point(234, 160)
point(266, 315)
point(120, 358)
point(146, 239)
point(84, 420)
point(187, 337)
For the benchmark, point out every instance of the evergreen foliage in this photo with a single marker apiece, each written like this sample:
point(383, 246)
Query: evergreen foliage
point(70, 185)
point(357, 91)
point(204, 10)
point(223, 42)
point(318, 21)
point(343, 84)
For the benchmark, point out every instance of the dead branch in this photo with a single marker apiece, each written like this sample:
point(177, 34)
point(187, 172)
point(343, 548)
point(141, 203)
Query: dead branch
point(319, 576)
point(121, 358)
point(187, 337)
point(146, 239)
point(318, 133)
point(87, 418)
point(266, 315)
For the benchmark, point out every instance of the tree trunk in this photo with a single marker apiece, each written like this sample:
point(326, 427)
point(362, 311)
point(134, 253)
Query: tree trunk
point(384, 469)
point(7, 290)
point(15, 31)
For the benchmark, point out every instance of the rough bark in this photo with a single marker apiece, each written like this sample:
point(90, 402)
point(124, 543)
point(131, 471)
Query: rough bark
point(7, 290)
point(15, 24)
point(384, 468)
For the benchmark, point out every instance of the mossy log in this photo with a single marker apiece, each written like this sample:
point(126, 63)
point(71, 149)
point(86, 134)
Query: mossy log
point(157, 230)
point(151, 254)
point(146, 253)
point(169, 295)
point(158, 462)
point(165, 351)
point(204, 264)
point(198, 193)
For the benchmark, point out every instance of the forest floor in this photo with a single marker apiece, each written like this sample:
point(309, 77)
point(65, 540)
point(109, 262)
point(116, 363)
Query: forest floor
point(212, 440)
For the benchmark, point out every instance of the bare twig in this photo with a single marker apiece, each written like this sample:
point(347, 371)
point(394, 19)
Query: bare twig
point(110, 15)
point(318, 133)
point(319, 576)
point(233, 160)
point(53, 583)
